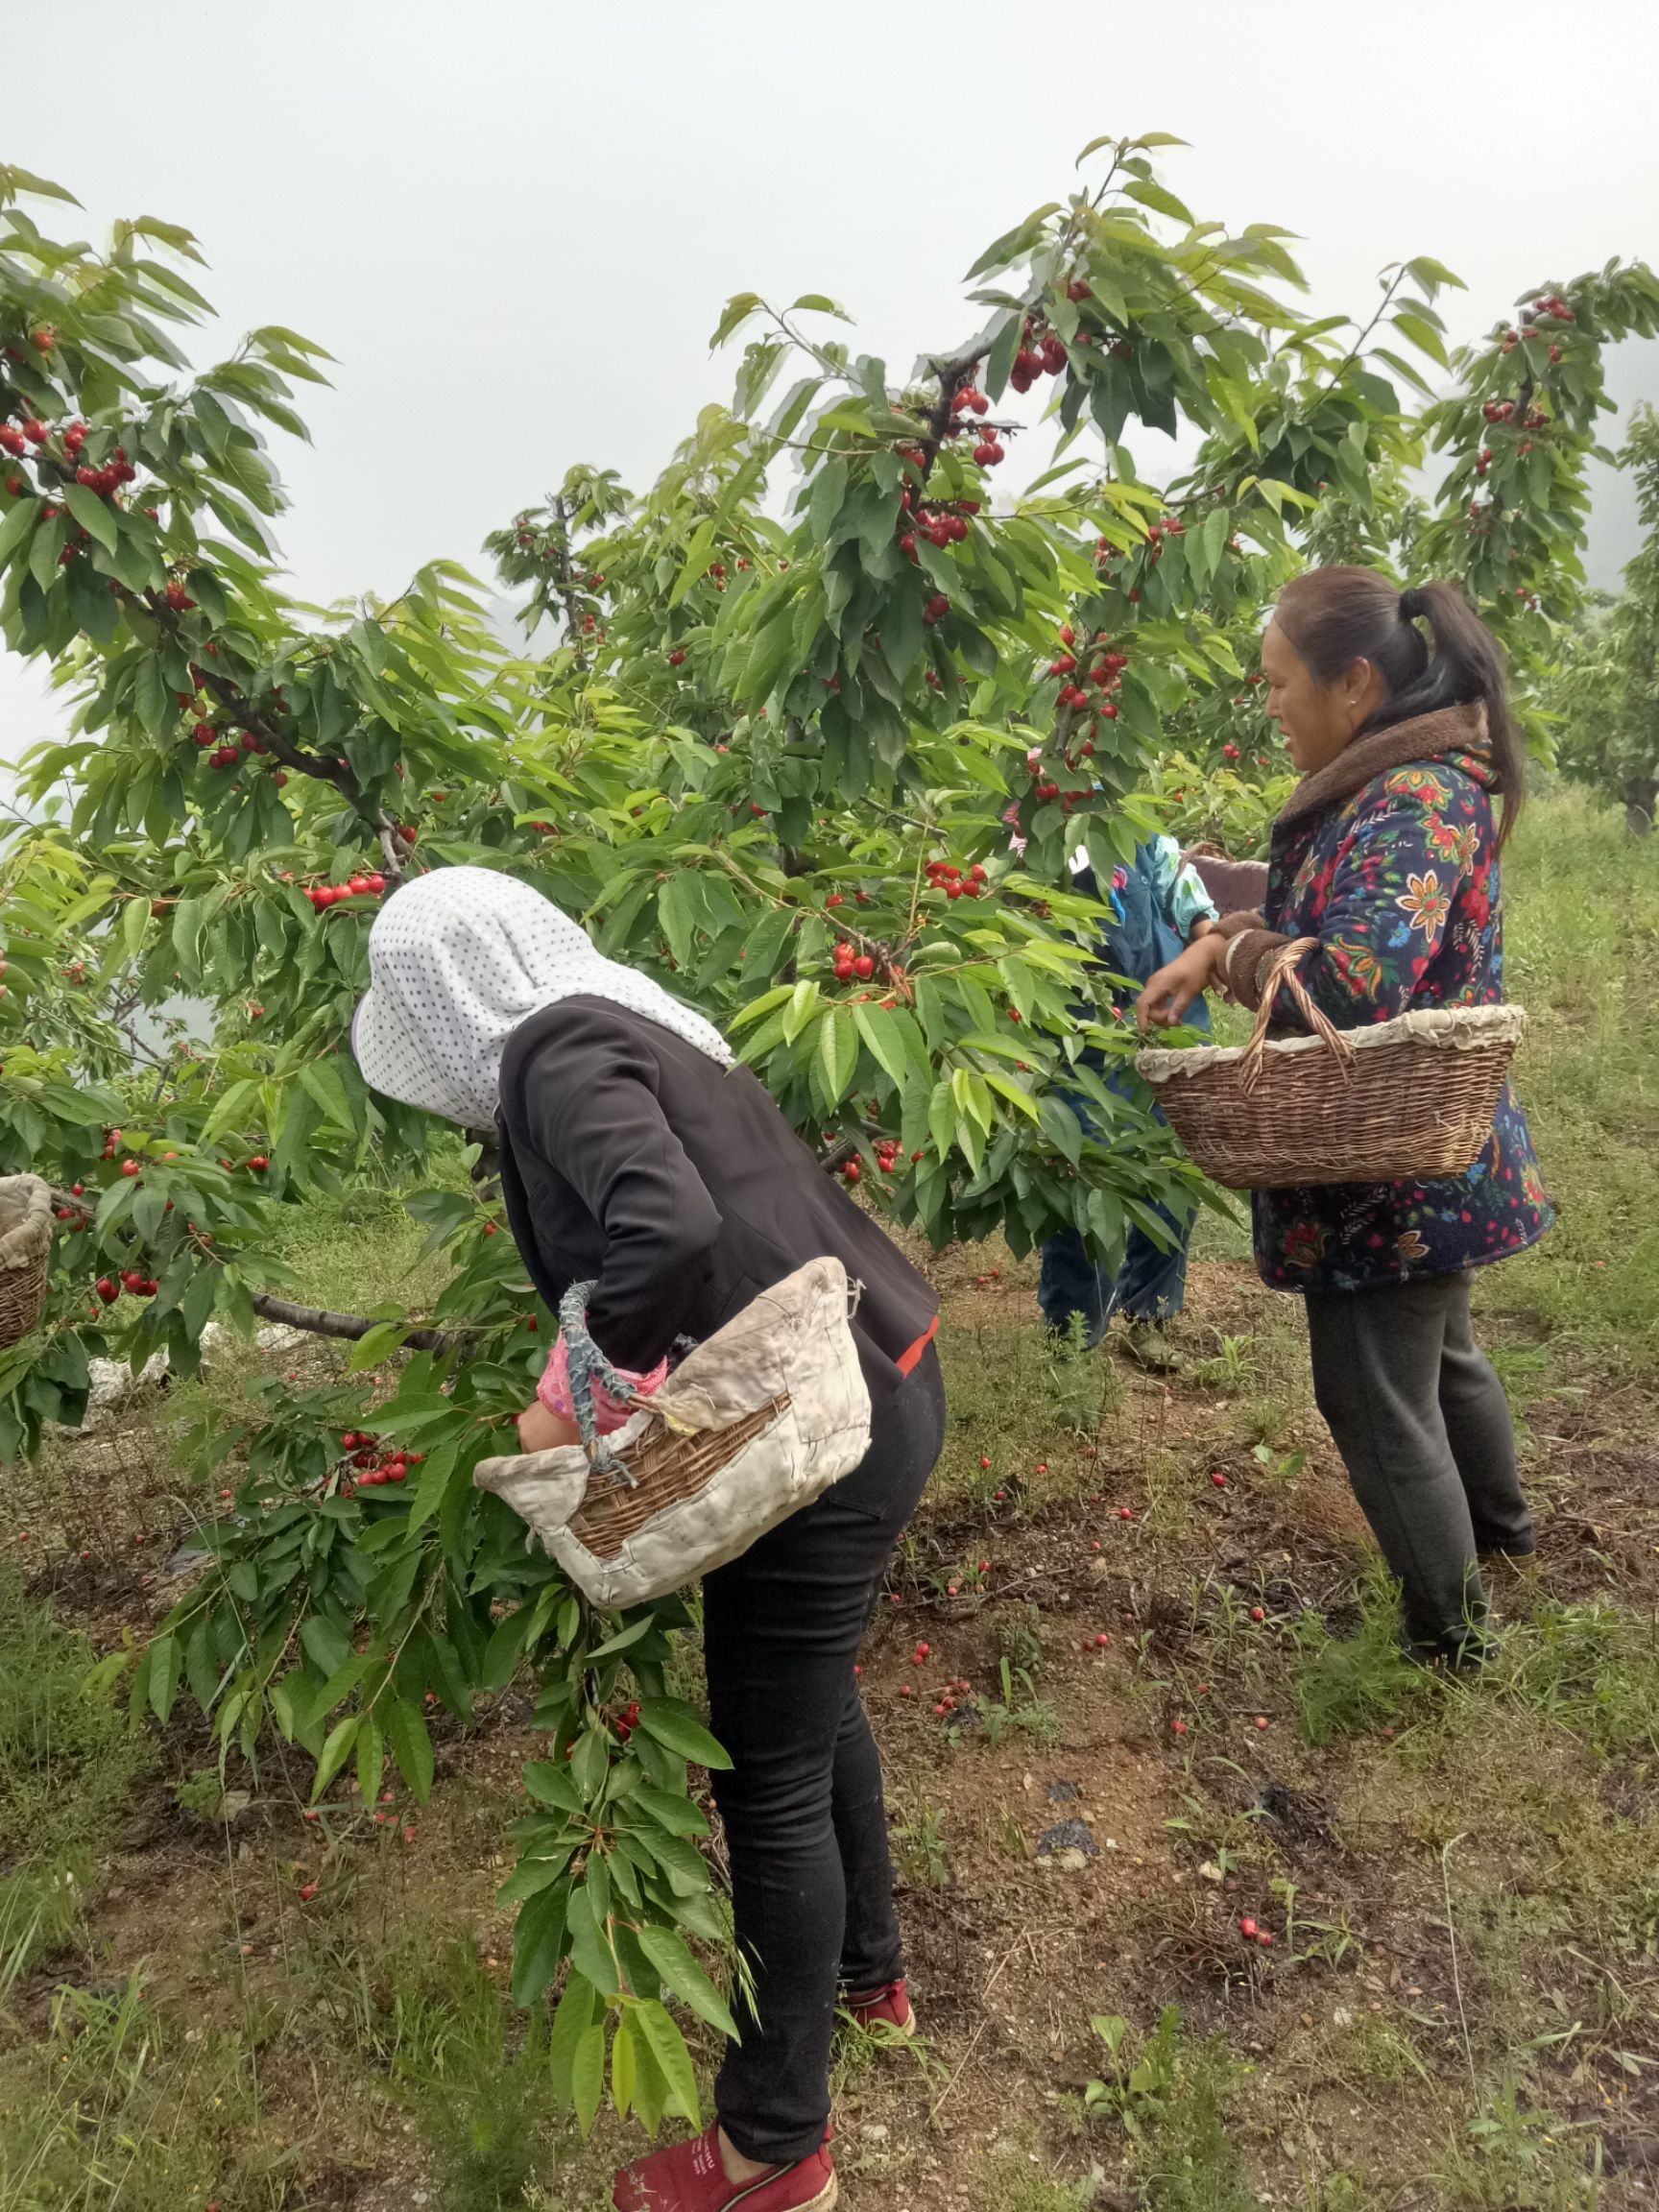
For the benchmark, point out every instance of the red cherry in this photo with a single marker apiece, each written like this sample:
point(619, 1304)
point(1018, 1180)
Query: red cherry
point(1256, 1613)
point(107, 1289)
point(863, 967)
point(129, 1166)
point(1247, 1929)
point(259, 1163)
point(35, 431)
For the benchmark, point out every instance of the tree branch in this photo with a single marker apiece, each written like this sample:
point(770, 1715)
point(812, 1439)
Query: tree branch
point(352, 1327)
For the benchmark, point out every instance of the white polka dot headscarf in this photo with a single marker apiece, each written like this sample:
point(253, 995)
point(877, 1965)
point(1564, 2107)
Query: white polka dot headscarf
point(457, 959)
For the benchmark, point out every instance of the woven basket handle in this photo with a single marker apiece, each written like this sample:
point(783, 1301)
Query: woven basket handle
point(1281, 975)
point(588, 1365)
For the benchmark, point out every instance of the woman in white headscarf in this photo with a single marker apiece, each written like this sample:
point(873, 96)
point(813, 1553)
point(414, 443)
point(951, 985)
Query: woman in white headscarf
point(635, 1155)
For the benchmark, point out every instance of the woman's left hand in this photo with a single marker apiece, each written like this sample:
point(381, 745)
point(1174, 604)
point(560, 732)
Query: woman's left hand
point(539, 1430)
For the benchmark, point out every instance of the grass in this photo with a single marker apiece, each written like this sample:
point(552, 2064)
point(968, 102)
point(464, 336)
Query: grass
point(69, 1757)
point(119, 2105)
point(1582, 952)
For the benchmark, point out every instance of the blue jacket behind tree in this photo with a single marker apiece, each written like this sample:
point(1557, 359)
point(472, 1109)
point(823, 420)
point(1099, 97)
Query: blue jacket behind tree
point(1151, 907)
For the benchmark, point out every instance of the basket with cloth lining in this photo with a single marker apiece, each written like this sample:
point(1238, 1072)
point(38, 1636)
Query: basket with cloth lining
point(754, 1423)
point(1402, 1101)
point(25, 1254)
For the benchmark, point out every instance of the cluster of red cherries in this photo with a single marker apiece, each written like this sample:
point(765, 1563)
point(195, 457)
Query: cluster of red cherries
point(225, 752)
point(322, 895)
point(372, 1467)
point(131, 1279)
point(1105, 671)
point(889, 1158)
point(942, 525)
point(947, 877)
point(1554, 309)
point(1505, 411)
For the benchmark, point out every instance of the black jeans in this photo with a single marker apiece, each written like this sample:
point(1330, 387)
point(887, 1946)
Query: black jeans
point(805, 1824)
point(1424, 1428)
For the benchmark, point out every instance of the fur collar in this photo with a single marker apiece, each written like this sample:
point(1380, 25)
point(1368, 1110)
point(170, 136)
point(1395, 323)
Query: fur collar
point(1425, 737)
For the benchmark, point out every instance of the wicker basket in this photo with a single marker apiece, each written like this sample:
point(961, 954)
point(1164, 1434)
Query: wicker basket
point(25, 1254)
point(1404, 1101)
point(754, 1424)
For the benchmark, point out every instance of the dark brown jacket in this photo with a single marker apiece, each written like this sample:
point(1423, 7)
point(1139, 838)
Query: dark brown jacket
point(633, 1158)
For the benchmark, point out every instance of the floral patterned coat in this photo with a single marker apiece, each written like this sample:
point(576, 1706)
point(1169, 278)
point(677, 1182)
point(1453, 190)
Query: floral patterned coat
point(1389, 857)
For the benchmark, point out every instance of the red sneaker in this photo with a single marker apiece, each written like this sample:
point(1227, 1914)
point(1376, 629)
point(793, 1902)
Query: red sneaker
point(689, 2177)
point(888, 2007)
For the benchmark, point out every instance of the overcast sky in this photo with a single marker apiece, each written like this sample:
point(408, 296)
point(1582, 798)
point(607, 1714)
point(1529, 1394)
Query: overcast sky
point(515, 224)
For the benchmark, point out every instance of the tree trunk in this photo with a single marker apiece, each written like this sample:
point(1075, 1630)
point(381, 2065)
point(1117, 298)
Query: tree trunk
point(1641, 797)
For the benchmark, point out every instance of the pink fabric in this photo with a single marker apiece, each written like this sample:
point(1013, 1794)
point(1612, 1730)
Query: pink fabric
point(554, 1390)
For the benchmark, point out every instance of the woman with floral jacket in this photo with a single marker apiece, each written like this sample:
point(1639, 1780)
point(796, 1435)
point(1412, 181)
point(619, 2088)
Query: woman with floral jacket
point(1387, 853)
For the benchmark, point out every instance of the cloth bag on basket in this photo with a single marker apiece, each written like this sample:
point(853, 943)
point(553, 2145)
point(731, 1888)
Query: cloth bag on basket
point(755, 1422)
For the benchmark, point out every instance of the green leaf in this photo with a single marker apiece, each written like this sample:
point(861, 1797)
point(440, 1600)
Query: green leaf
point(698, 554)
point(327, 1087)
point(411, 1743)
point(624, 1637)
point(325, 1641)
point(588, 2075)
point(93, 516)
point(1422, 334)
point(673, 1723)
point(678, 1815)
point(370, 1349)
point(739, 309)
point(881, 1033)
point(671, 1955)
point(14, 529)
point(166, 1664)
point(1151, 195)
point(537, 1943)
point(1431, 275)
point(667, 2046)
point(550, 1785)
point(571, 2020)
point(837, 1054)
point(590, 1951)
point(622, 2075)
point(371, 1756)
point(818, 303)
point(335, 1751)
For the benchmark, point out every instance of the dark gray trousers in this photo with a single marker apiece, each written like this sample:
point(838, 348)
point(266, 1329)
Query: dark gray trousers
point(1422, 1426)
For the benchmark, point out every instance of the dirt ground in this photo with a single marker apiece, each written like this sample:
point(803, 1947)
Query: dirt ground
point(1461, 1881)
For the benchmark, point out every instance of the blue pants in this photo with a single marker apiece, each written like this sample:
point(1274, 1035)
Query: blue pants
point(1150, 1285)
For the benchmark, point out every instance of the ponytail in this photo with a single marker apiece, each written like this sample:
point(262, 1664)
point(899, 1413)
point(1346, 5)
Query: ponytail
point(1336, 616)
